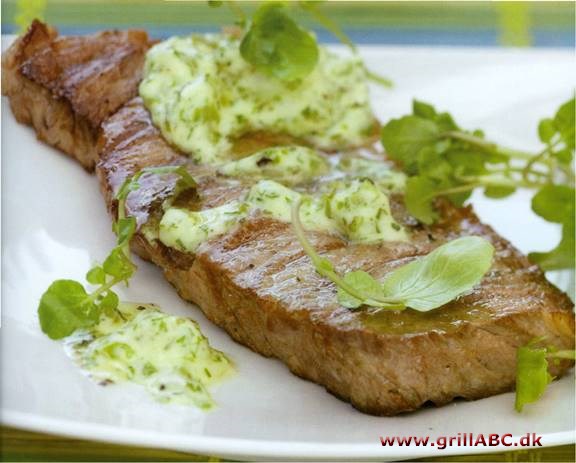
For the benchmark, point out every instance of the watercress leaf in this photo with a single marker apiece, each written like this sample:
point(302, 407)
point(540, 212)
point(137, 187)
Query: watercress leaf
point(564, 156)
point(564, 122)
point(404, 138)
point(277, 46)
point(433, 164)
point(470, 162)
point(554, 203)
point(119, 265)
point(96, 276)
point(497, 192)
point(546, 130)
point(562, 256)
point(109, 302)
point(125, 229)
point(532, 375)
point(440, 277)
point(419, 198)
point(446, 123)
point(422, 109)
point(64, 308)
point(364, 284)
point(458, 199)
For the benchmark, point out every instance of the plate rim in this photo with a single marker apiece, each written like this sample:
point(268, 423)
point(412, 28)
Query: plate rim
point(250, 448)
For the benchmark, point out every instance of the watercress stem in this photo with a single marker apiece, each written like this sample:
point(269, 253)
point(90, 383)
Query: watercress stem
point(102, 289)
point(325, 272)
point(488, 146)
point(378, 79)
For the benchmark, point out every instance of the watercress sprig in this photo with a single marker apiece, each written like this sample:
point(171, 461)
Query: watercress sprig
point(443, 160)
point(66, 305)
point(277, 46)
point(532, 375)
point(424, 284)
point(331, 26)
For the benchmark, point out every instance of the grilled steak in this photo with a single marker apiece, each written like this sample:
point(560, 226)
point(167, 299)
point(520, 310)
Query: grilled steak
point(65, 87)
point(257, 283)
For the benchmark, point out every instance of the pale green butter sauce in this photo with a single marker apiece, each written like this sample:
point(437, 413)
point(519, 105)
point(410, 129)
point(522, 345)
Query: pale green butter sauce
point(166, 354)
point(202, 95)
point(357, 209)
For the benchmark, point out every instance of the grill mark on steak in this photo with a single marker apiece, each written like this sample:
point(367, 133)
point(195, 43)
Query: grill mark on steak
point(257, 283)
point(64, 87)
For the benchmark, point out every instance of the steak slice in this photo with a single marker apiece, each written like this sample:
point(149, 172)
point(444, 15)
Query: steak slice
point(257, 284)
point(64, 87)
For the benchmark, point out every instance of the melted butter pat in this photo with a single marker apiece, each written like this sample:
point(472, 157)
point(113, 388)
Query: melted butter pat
point(186, 230)
point(361, 211)
point(357, 209)
point(203, 95)
point(378, 171)
point(275, 200)
point(168, 355)
point(287, 164)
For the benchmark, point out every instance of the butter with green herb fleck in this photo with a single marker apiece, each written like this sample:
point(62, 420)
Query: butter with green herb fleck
point(202, 95)
point(361, 211)
point(357, 209)
point(185, 230)
point(290, 165)
point(378, 171)
point(168, 355)
point(275, 200)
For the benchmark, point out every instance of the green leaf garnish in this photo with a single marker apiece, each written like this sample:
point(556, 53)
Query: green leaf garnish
point(562, 256)
point(365, 285)
point(118, 264)
point(442, 160)
point(66, 305)
point(424, 284)
point(277, 46)
point(564, 123)
point(109, 301)
point(125, 229)
point(555, 203)
point(404, 138)
point(96, 276)
point(441, 276)
point(419, 197)
point(532, 375)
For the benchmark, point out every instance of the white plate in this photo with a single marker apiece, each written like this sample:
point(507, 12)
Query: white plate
point(55, 225)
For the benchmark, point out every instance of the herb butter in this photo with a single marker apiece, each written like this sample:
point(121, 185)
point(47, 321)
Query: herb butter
point(186, 230)
point(358, 209)
point(378, 171)
point(275, 200)
point(290, 165)
point(361, 211)
point(168, 355)
point(203, 95)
